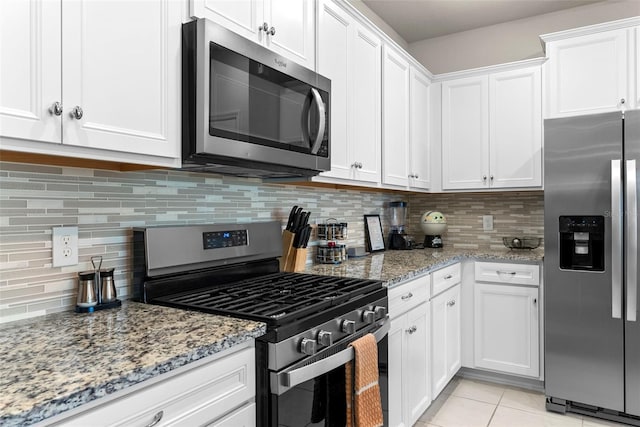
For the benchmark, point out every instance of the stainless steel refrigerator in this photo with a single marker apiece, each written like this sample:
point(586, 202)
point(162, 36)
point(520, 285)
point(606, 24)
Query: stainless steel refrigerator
point(592, 328)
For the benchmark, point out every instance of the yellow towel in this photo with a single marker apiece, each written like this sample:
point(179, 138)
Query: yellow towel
point(364, 407)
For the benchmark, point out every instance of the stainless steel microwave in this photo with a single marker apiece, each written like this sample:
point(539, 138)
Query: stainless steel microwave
point(248, 111)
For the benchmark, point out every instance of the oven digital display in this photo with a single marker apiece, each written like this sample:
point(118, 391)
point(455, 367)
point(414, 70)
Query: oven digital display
point(224, 239)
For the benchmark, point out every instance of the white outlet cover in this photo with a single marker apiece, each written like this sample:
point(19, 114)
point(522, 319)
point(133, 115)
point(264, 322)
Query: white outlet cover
point(65, 246)
point(487, 222)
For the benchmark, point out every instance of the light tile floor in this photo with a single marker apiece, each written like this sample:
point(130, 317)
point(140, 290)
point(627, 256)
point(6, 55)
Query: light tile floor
point(471, 403)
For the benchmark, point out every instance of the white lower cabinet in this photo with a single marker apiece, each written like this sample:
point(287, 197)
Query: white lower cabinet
point(218, 392)
point(506, 334)
point(409, 339)
point(445, 338)
point(506, 328)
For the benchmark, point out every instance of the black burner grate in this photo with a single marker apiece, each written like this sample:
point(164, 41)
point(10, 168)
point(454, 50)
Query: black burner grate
point(275, 298)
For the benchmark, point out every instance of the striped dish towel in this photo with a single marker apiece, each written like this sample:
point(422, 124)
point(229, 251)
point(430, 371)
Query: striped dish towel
point(364, 407)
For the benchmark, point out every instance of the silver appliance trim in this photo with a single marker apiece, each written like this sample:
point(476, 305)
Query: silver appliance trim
point(631, 241)
point(616, 239)
point(283, 381)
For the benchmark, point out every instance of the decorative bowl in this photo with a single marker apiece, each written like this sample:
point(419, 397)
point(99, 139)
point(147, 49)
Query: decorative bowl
point(517, 242)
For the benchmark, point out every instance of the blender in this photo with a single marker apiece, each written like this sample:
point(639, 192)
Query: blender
point(398, 239)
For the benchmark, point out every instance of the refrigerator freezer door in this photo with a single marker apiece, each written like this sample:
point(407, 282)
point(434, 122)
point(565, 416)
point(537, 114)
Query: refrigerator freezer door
point(584, 343)
point(632, 328)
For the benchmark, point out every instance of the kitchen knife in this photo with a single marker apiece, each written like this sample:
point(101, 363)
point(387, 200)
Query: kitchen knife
point(292, 215)
point(306, 234)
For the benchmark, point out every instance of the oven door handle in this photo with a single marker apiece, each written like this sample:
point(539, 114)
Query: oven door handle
point(283, 381)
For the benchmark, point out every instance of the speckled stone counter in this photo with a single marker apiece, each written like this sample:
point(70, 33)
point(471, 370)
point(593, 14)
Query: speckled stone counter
point(393, 267)
point(53, 363)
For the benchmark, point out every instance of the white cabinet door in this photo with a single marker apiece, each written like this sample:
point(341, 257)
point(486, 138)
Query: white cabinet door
point(365, 104)
point(397, 372)
point(30, 69)
point(293, 23)
point(418, 372)
point(588, 74)
point(127, 84)
point(290, 24)
point(506, 328)
point(465, 133)
point(515, 128)
point(349, 55)
point(243, 417)
point(241, 16)
point(395, 117)
point(445, 338)
point(419, 150)
point(409, 367)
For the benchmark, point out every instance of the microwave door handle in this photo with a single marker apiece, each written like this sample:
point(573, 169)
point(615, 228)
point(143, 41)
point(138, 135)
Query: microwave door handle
point(321, 120)
point(632, 240)
point(283, 381)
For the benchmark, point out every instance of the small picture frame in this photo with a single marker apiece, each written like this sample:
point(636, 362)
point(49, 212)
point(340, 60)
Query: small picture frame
point(373, 233)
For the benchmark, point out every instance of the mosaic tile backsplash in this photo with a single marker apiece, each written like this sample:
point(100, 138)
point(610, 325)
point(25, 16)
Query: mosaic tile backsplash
point(105, 205)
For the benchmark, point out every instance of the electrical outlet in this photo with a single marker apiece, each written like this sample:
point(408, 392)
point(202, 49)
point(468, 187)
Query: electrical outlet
point(65, 246)
point(487, 222)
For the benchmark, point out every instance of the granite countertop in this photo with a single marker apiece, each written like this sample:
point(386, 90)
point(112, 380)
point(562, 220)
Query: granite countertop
point(54, 363)
point(394, 267)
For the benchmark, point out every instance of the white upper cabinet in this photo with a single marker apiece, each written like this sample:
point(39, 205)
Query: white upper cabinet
point(465, 133)
point(284, 26)
point(349, 54)
point(118, 93)
point(515, 128)
point(31, 70)
point(395, 117)
point(591, 69)
point(419, 149)
point(492, 130)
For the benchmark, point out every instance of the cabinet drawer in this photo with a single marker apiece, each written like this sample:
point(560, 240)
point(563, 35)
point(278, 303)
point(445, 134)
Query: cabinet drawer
point(509, 273)
point(445, 278)
point(195, 397)
point(408, 295)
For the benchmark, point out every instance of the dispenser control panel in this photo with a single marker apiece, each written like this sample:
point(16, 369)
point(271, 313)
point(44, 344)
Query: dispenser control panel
point(581, 243)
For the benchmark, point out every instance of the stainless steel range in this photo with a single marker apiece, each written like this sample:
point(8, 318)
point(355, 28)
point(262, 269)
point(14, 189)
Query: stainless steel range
point(232, 270)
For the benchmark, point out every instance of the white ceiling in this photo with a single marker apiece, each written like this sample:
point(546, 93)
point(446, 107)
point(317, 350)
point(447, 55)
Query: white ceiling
point(417, 20)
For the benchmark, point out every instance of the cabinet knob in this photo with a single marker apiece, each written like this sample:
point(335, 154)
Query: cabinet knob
point(56, 109)
point(622, 101)
point(77, 112)
point(416, 176)
point(272, 31)
point(535, 301)
point(491, 177)
point(484, 177)
point(448, 276)
point(156, 419)
point(451, 303)
point(359, 165)
point(264, 27)
point(412, 329)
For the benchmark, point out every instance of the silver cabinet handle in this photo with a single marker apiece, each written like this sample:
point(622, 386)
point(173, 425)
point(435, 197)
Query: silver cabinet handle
point(510, 273)
point(272, 31)
point(411, 175)
point(632, 241)
point(412, 329)
point(616, 239)
point(535, 301)
point(156, 419)
point(451, 303)
point(407, 296)
point(622, 101)
point(448, 276)
point(416, 176)
point(491, 177)
point(264, 27)
point(56, 109)
point(356, 165)
point(77, 112)
point(484, 177)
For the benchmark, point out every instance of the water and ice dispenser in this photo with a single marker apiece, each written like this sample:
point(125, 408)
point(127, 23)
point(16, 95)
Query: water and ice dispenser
point(582, 243)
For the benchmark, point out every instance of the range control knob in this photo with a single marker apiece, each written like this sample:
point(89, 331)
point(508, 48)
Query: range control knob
point(369, 316)
point(381, 312)
point(348, 327)
point(308, 346)
point(324, 338)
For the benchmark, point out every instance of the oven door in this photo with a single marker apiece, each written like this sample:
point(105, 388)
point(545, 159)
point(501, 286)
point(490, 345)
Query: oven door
point(312, 392)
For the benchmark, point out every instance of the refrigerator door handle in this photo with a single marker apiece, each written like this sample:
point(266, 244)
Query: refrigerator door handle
point(616, 239)
point(632, 240)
